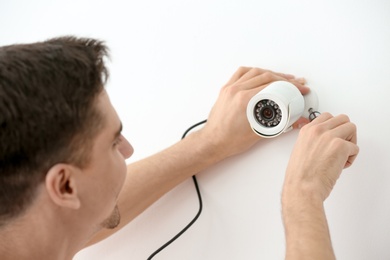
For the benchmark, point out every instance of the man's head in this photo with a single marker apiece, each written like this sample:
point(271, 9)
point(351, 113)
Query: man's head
point(51, 101)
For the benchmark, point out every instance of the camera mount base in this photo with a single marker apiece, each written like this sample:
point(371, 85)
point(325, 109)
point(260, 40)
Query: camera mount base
point(311, 104)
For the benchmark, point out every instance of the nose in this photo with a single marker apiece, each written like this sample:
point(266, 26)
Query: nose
point(125, 148)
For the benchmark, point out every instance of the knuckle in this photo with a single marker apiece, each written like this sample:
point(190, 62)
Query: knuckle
point(327, 115)
point(243, 69)
point(257, 71)
point(353, 127)
point(328, 136)
point(231, 90)
point(344, 117)
point(338, 144)
point(268, 76)
point(317, 130)
point(304, 129)
point(241, 98)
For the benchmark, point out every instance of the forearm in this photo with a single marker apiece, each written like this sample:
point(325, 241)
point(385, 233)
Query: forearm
point(306, 228)
point(151, 178)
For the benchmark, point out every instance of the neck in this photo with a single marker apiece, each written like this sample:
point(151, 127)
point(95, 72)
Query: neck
point(41, 233)
point(29, 239)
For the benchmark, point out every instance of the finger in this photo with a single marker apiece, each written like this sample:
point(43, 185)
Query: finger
point(321, 118)
point(238, 74)
point(336, 121)
point(254, 78)
point(301, 80)
point(300, 85)
point(346, 131)
point(289, 77)
point(260, 80)
point(300, 123)
point(354, 151)
point(253, 72)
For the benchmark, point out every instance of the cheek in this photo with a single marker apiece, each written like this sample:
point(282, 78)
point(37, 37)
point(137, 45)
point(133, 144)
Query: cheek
point(120, 172)
point(114, 174)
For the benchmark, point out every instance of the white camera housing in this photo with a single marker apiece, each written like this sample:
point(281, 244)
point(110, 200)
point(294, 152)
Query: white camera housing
point(274, 109)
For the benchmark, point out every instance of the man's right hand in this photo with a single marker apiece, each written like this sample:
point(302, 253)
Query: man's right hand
point(324, 148)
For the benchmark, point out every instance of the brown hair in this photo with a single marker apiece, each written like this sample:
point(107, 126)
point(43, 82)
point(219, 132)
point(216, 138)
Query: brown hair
point(47, 112)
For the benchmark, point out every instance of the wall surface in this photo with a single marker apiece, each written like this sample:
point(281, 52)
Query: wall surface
point(169, 60)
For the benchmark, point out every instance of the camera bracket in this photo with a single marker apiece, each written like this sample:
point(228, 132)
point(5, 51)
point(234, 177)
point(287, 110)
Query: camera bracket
point(311, 103)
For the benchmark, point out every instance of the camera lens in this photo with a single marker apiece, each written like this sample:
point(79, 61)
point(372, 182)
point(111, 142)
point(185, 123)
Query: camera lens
point(267, 113)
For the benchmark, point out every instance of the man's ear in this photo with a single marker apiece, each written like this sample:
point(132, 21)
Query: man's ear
point(61, 185)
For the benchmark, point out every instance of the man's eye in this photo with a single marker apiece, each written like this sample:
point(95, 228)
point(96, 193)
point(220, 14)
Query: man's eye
point(117, 141)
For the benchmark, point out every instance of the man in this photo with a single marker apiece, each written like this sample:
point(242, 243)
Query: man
point(64, 184)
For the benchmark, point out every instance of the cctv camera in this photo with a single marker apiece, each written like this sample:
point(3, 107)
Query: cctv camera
point(274, 109)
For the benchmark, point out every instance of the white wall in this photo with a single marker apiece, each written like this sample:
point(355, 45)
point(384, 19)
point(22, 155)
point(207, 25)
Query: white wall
point(169, 60)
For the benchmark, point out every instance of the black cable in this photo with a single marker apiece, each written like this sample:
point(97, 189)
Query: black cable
point(313, 114)
point(200, 203)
